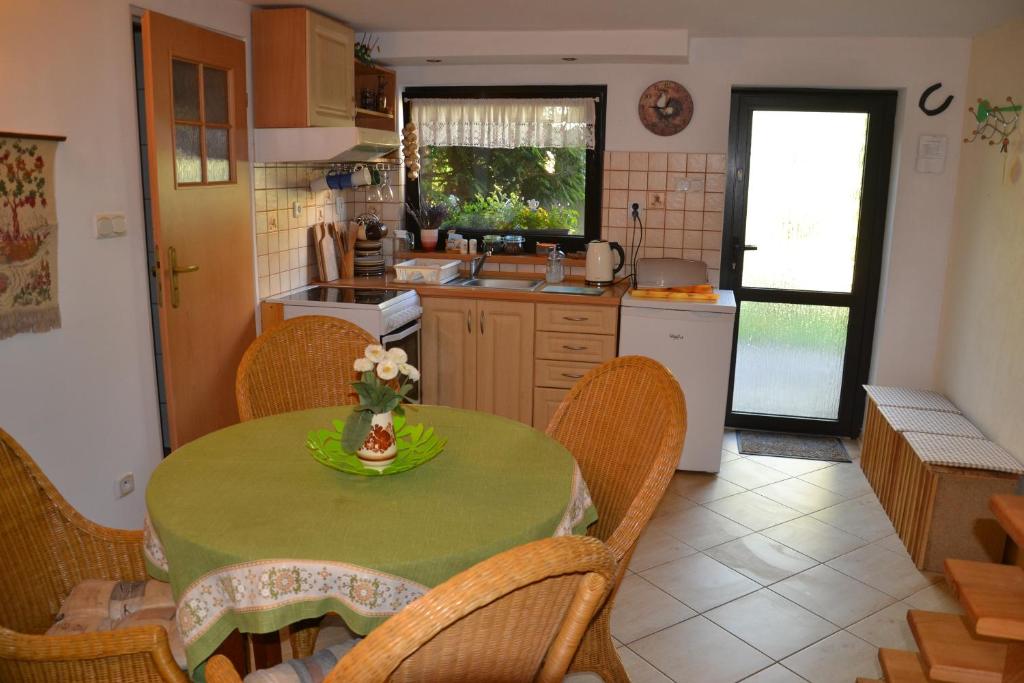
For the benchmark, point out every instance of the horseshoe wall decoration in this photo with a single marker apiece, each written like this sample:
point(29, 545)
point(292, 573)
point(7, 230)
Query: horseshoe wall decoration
point(936, 110)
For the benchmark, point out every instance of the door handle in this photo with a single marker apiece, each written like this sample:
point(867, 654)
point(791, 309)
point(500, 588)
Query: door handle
point(575, 319)
point(177, 270)
point(570, 375)
point(481, 322)
point(567, 347)
point(738, 248)
point(469, 322)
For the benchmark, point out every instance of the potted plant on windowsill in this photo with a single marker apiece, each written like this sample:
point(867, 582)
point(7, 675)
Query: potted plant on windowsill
point(386, 380)
point(428, 218)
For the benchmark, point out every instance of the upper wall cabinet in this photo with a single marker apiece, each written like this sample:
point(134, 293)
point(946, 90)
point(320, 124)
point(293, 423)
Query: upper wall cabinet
point(303, 73)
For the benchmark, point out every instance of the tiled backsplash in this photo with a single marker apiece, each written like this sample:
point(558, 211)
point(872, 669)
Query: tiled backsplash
point(686, 224)
point(285, 256)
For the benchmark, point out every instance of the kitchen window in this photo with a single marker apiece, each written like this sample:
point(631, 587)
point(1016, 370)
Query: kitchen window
point(520, 159)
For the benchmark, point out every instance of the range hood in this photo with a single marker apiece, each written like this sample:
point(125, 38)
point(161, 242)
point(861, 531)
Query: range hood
point(322, 144)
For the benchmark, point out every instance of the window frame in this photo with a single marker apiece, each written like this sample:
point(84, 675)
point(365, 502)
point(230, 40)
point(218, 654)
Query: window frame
point(594, 157)
point(203, 124)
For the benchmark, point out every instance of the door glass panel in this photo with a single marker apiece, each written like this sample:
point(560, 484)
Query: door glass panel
point(215, 94)
point(803, 199)
point(789, 359)
point(186, 90)
point(218, 167)
point(188, 166)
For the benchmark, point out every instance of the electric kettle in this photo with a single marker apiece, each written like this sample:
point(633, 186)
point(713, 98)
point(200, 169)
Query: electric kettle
point(600, 270)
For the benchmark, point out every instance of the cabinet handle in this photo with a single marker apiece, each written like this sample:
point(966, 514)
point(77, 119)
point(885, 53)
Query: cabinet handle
point(574, 348)
point(571, 375)
point(469, 322)
point(575, 319)
point(481, 322)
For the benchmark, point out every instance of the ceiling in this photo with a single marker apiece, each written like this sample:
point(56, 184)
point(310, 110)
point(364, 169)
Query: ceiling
point(745, 18)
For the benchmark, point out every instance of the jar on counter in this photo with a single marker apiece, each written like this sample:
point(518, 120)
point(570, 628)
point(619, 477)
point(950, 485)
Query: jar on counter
point(555, 271)
point(493, 244)
point(514, 244)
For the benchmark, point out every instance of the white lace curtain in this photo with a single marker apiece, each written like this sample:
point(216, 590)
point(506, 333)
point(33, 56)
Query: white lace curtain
point(504, 123)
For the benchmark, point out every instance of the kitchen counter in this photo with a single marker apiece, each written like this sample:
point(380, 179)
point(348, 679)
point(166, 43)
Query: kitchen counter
point(611, 297)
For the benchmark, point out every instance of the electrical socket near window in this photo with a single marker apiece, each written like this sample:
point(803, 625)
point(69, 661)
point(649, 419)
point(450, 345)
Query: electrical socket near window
point(110, 225)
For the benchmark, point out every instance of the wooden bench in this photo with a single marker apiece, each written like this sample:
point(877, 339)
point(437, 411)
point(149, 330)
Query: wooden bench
point(934, 472)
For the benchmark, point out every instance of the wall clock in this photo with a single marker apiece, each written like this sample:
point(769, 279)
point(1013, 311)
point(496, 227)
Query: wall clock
point(665, 108)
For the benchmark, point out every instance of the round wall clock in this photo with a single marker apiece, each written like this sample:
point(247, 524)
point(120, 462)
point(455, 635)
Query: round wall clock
point(665, 108)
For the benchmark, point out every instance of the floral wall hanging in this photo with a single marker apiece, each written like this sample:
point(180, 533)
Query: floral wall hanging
point(28, 235)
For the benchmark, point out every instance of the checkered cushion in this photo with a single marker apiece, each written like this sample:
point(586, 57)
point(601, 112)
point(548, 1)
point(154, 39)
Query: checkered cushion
point(313, 669)
point(97, 605)
point(957, 451)
point(929, 422)
point(901, 397)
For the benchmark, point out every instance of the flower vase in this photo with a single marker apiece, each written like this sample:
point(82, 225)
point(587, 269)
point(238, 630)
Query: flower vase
point(428, 239)
point(379, 449)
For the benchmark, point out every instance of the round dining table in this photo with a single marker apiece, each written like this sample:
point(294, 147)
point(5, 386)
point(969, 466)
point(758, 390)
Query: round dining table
point(254, 534)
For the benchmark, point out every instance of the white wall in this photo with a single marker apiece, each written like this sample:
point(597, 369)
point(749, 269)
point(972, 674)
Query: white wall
point(82, 399)
point(921, 205)
point(981, 366)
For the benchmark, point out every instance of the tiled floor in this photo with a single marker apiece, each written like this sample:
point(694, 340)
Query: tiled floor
point(775, 570)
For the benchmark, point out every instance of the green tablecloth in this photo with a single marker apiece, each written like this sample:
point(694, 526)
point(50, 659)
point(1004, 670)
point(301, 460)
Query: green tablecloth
point(254, 534)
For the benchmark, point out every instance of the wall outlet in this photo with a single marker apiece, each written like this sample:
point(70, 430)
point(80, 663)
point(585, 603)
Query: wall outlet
point(110, 225)
point(296, 210)
point(634, 210)
point(125, 485)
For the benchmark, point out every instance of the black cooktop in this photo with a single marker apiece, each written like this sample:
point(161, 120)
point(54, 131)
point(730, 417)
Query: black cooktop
point(346, 295)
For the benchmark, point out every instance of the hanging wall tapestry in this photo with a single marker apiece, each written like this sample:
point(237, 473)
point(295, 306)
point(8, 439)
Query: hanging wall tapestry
point(28, 236)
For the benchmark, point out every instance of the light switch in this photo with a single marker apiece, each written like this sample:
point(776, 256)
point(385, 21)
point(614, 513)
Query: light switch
point(110, 225)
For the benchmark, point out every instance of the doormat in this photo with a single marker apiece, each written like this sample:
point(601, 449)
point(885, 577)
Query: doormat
point(826, 448)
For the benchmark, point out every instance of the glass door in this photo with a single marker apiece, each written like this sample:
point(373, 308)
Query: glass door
point(807, 191)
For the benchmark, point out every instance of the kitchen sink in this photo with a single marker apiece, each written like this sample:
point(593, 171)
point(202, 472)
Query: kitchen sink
point(499, 283)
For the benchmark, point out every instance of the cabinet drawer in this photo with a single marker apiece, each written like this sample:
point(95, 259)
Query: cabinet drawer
point(569, 318)
point(545, 403)
point(583, 348)
point(559, 373)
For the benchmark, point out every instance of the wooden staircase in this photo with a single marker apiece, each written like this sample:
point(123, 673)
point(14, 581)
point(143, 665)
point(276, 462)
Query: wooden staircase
point(985, 645)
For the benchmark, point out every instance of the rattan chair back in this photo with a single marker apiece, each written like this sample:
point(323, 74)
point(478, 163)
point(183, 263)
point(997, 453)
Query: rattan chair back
point(302, 363)
point(515, 617)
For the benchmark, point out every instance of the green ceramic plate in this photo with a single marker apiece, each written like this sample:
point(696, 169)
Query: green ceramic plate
point(416, 445)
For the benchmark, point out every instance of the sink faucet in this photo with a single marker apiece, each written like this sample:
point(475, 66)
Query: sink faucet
point(477, 264)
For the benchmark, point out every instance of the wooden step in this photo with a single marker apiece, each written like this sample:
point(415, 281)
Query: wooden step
point(950, 652)
point(1009, 510)
point(993, 595)
point(901, 666)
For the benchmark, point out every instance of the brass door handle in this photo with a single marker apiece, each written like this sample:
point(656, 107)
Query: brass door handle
point(176, 270)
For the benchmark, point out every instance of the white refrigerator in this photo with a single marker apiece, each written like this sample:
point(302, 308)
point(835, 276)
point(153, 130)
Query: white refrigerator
point(694, 341)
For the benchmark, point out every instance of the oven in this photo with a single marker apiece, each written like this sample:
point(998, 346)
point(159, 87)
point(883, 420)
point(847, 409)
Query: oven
point(407, 338)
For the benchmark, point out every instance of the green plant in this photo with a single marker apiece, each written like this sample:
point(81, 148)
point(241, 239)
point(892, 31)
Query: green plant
point(500, 210)
point(376, 394)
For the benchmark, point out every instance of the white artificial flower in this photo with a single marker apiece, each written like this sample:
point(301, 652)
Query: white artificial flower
point(453, 200)
point(387, 369)
point(398, 355)
point(375, 353)
point(363, 365)
point(409, 371)
point(533, 204)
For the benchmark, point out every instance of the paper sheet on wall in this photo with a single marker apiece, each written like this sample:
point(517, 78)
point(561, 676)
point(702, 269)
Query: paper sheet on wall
point(931, 153)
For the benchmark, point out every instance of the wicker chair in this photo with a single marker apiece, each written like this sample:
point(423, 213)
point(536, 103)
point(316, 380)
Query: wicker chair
point(517, 616)
point(625, 423)
point(46, 548)
point(302, 363)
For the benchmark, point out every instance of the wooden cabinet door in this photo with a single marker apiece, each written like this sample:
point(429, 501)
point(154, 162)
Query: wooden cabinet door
point(331, 72)
point(448, 348)
point(545, 403)
point(505, 359)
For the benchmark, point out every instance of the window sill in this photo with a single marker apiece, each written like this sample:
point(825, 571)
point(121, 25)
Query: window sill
point(521, 259)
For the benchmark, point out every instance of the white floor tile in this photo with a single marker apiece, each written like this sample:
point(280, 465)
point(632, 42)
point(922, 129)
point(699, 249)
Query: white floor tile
point(702, 488)
point(750, 475)
point(700, 582)
point(760, 558)
point(846, 479)
point(700, 650)
point(642, 609)
point(858, 517)
point(752, 510)
point(887, 628)
point(792, 466)
point(937, 597)
point(698, 527)
point(639, 669)
point(670, 502)
point(832, 595)
point(840, 658)
point(657, 547)
point(774, 674)
point(887, 571)
point(814, 538)
point(892, 543)
point(800, 495)
point(771, 623)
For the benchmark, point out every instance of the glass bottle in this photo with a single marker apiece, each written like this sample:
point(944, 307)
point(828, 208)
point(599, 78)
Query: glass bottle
point(555, 272)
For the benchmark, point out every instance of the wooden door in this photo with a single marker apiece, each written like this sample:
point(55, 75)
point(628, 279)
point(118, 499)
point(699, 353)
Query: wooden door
point(505, 359)
point(331, 72)
point(200, 188)
point(449, 352)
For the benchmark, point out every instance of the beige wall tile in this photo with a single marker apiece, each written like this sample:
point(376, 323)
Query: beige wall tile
point(674, 220)
point(694, 220)
point(696, 162)
point(711, 240)
point(617, 199)
point(713, 220)
point(673, 253)
point(694, 201)
point(637, 180)
point(638, 161)
point(654, 238)
point(672, 179)
point(714, 182)
point(618, 180)
point(677, 162)
point(674, 239)
point(691, 239)
point(716, 163)
point(693, 255)
point(714, 202)
point(675, 201)
point(619, 161)
point(655, 218)
point(656, 199)
point(656, 180)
